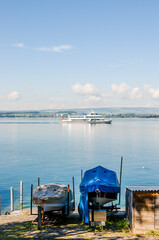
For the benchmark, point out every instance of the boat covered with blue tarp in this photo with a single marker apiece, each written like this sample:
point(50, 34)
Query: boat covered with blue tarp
point(98, 185)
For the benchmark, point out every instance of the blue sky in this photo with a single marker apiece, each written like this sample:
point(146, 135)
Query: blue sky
point(72, 54)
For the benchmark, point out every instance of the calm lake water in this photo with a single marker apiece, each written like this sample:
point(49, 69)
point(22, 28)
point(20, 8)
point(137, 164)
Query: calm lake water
point(55, 152)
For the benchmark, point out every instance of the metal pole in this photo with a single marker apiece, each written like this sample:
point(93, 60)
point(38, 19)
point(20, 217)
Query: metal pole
point(39, 218)
point(81, 174)
point(38, 181)
point(31, 202)
point(11, 199)
point(73, 183)
point(0, 205)
point(121, 166)
point(21, 195)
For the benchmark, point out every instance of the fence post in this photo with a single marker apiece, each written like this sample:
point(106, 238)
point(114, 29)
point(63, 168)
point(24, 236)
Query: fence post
point(0, 205)
point(39, 218)
point(81, 174)
point(68, 200)
point(38, 181)
point(11, 199)
point(31, 202)
point(21, 195)
point(73, 183)
point(121, 167)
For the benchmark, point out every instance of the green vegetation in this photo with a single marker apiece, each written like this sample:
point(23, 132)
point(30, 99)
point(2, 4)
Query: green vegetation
point(117, 224)
point(17, 231)
point(65, 114)
point(26, 115)
point(131, 115)
point(61, 228)
point(152, 233)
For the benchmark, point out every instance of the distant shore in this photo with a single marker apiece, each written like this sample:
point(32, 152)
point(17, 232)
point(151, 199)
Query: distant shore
point(58, 115)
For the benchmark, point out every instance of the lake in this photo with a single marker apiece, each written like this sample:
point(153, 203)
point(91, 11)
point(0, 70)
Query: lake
point(55, 152)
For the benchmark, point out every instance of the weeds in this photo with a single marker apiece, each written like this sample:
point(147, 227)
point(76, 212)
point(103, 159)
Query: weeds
point(152, 233)
point(118, 224)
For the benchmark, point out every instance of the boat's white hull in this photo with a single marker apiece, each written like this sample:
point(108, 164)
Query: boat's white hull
point(101, 200)
point(53, 207)
point(53, 197)
point(87, 121)
point(57, 207)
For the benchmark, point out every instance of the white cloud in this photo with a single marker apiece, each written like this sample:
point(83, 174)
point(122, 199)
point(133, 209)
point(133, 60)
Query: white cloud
point(107, 95)
point(154, 93)
point(2, 97)
point(13, 96)
point(135, 94)
point(56, 99)
point(54, 48)
point(19, 45)
point(147, 86)
point(60, 48)
point(94, 99)
point(120, 89)
point(87, 89)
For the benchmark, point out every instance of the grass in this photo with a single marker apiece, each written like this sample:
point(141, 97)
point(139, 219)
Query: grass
point(61, 228)
point(117, 224)
point(152, 233)
point(19, 231)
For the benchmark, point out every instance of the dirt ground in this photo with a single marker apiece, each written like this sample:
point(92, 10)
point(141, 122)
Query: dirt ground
point(19, 226)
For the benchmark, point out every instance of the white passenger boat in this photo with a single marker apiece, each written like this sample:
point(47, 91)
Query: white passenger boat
point(53, 197)
point(93, 118)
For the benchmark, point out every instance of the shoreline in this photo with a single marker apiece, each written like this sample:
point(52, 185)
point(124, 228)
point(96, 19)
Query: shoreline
point(18, 225)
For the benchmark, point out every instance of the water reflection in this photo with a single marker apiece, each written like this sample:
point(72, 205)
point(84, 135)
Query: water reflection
point(55, 152)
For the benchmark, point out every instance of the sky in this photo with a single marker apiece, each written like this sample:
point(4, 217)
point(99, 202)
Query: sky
point(58, 54)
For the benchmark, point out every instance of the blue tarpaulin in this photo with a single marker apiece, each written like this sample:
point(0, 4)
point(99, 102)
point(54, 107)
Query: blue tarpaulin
point(96, 178)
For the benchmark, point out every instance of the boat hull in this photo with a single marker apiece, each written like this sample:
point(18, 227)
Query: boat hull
point(87, 121)
point(53, 197)
point(57, 207)
point(101, 121)
point(101, 198)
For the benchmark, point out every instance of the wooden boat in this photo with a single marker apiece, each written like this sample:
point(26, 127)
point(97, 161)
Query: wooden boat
point(54, 197)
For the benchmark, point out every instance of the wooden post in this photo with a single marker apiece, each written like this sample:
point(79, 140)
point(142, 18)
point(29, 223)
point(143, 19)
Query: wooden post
point(31, 202)
point(39, 218)
point(73, 183)
point(68, 200)
point(0, 205)
point(38, 181)
point(11, 199)
point(42, 212)
point(92, 212)
point(81, 174)
point(121, 166)
point(21, 195)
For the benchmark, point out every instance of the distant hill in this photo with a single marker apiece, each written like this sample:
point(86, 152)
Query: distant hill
point(106, 111)
point(136, 110)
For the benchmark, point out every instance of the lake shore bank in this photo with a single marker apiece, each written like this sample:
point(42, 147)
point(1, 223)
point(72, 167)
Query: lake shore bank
point(19, 225)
